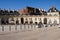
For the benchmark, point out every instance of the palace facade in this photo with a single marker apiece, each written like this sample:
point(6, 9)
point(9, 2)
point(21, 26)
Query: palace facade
point(30, 15)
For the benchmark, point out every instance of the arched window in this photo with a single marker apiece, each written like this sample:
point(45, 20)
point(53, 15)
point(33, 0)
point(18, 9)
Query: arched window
point(40, 20)
point(35, 18)
point(30, 19)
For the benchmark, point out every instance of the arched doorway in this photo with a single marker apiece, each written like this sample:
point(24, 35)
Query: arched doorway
point(22, 20)
point(17, 21)
point(7, 22)
point(36, 23)
point(26, 22)
point(2, 21)
point(45, 20)
point(31, 22)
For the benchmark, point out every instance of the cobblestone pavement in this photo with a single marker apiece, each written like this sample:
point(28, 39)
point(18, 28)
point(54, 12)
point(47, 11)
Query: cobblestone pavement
point(48, 33)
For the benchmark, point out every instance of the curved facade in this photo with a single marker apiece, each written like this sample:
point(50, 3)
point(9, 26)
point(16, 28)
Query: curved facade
point(30, 16)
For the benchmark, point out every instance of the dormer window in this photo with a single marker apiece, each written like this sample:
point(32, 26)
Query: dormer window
point(11, 11)
point(53, 9)
point(50, 10)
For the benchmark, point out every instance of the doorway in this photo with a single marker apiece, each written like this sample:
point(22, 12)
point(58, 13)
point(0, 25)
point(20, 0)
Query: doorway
point(2, 21)
point(45, 20)
point(22, 20)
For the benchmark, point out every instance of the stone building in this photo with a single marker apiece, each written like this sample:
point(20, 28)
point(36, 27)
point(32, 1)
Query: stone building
point(30, 15)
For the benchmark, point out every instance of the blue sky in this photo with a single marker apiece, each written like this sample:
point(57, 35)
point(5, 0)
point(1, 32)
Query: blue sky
point(20, 4)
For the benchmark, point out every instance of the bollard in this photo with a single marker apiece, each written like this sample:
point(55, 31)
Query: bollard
point(9, 28)
point(28, 27)
point(16, 27)
point(21, 27)
point(24, 27)
point(31, 26)
point(2, 28)
point(34, 26)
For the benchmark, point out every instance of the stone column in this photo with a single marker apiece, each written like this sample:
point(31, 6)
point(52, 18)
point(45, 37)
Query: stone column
point(15, 20)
